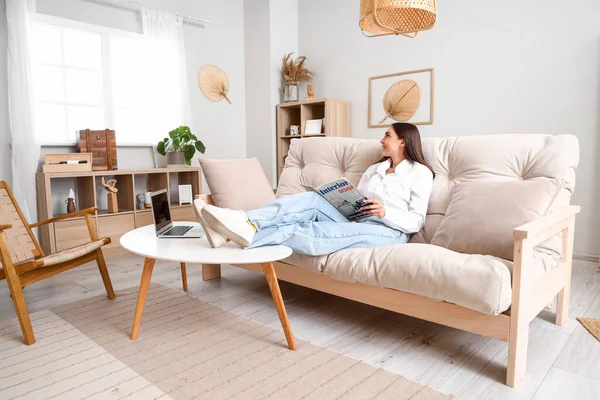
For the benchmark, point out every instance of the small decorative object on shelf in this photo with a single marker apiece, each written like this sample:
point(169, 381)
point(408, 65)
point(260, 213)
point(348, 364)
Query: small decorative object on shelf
point(70, 202)
point(102, 145)
point(310, 92)
point(111, 197)
point(294, 72)
point(313, 127)
point(295, 130)
point(213, 83)
point(180, 147)
point(148, 198)
point(185, 194)
point(140, 203)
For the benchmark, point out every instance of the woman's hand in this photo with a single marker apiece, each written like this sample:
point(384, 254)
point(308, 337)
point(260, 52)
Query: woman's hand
point(375, 208)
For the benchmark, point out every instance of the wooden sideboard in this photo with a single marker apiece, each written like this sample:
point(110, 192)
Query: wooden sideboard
point(90, 193)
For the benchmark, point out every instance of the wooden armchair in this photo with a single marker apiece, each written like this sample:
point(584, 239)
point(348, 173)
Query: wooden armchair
point(22, 261)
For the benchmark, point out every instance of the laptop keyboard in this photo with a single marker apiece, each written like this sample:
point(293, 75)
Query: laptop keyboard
point(177, 231)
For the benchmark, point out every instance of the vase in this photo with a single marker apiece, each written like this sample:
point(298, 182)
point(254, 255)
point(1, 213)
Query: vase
point(290, 92)
point(176, 159)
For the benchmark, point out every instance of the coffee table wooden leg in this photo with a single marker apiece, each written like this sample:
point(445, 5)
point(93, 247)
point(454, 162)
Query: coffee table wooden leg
point(184, 277)
point(142, 294)
point(269, 271)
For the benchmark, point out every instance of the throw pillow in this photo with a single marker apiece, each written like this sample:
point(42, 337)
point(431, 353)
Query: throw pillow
point(237, 184)
point(481, 216)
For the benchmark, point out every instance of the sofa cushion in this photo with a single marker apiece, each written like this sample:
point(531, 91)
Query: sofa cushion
point(237, 184)
point(481, 216)
point(478, 282)
point(497, 158)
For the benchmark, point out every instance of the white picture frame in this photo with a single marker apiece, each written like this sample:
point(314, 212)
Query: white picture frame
point(185, 194)
point(313, 127)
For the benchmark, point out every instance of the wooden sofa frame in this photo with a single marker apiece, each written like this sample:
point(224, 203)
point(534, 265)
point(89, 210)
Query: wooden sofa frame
point(528, 298)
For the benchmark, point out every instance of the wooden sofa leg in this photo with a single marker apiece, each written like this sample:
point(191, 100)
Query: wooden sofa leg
point(518, 335)
point(562, 305)
point(517, 352)
point(104, 273)
point(211, 271)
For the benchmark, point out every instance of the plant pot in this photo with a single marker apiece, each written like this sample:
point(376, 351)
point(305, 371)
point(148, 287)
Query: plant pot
point(290, 92)
point(176, 159)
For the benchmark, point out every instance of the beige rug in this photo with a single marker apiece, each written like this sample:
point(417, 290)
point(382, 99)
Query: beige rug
point(592, 325)
point(186, 349)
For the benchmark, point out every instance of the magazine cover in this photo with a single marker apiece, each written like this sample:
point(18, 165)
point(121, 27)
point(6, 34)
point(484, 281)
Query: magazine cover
point(343, 196)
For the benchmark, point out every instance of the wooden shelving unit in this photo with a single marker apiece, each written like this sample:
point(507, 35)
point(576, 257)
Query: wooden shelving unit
point(90, 193)
point(335, 112)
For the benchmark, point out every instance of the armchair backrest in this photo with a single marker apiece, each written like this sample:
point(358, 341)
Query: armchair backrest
point(22, 244)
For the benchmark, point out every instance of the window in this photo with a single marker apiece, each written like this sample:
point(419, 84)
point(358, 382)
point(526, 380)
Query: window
point(93, 77)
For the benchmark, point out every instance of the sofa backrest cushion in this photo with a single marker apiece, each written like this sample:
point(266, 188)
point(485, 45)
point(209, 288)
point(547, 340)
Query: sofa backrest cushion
point(500, 158)
point(481, 216)
point(240, 184)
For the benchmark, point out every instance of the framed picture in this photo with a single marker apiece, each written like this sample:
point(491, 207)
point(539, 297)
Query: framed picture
point(185, 194)
point(378, 86)
point(313, 127)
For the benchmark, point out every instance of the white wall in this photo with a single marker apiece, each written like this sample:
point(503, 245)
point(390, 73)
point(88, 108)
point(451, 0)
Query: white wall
point(257, 32)
point(271, 31)
point(499, 67)
point(5, 170)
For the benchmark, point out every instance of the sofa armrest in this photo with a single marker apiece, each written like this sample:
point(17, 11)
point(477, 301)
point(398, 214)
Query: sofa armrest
point(543, 228)
point(207, 198)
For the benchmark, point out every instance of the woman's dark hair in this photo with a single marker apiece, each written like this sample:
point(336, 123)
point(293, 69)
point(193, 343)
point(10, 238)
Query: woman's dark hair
point(412, 137)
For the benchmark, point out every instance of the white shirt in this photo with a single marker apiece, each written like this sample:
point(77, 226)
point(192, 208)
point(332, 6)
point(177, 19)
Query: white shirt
point(404, 193)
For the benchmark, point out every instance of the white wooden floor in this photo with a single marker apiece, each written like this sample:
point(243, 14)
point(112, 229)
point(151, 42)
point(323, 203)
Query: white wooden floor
point(563, 363)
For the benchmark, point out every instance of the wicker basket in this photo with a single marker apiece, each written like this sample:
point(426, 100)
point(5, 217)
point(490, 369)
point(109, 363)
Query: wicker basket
point(397, 17)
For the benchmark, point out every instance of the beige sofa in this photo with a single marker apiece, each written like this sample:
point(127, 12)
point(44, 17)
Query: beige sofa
point(479, 293)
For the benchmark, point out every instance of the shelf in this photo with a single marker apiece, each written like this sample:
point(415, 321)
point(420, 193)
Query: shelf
point(117, 172)
point(181, 205)
point(69, 219)
point(105, 213)
point(301, 136)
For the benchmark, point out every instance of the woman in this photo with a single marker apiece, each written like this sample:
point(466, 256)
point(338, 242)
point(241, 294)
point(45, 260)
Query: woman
point(397, 187)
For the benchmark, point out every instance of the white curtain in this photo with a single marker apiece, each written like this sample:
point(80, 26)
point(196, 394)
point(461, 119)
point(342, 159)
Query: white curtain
point(25, 151)
point(167, 66)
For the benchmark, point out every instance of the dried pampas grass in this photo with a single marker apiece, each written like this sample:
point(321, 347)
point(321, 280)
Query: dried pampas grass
point(294, 70)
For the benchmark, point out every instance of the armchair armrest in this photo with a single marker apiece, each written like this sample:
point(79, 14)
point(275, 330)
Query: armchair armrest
point(90, 210)
point(3, 227)
point(542, 228)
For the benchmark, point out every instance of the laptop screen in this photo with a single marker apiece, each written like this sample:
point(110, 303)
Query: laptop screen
point(160, 208)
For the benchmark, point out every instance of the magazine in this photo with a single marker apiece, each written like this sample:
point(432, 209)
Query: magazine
point(343, 196)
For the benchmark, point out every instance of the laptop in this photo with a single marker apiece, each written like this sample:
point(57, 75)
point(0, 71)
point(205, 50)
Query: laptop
point(162, 219)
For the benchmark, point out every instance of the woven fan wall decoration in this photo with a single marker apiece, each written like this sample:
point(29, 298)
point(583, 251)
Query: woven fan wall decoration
point(401, 96)
point(401, 100)
point(213, 83)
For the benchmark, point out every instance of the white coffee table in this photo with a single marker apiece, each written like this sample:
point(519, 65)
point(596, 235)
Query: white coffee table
point(143, 242)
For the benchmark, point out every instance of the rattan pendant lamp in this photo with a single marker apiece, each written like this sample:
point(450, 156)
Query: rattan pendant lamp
point(396, 17)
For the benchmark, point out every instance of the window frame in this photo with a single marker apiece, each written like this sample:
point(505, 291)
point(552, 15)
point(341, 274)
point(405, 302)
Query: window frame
point(107, 96)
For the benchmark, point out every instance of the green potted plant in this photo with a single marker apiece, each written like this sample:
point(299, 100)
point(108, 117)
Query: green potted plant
point(180, 146)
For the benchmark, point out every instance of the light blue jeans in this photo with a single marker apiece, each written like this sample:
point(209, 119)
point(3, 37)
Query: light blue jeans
point(310, 225)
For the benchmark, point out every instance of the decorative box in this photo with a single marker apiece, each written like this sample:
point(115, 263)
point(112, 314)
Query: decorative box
point(103, 147)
